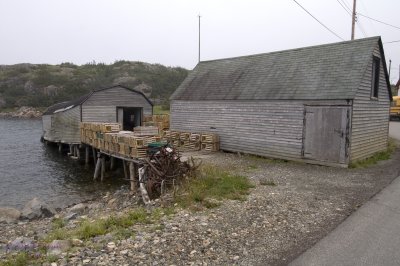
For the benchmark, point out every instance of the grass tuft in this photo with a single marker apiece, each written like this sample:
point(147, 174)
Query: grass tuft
point(213, 183)
point(58, 223)
point(379, 156)
point(20, 259)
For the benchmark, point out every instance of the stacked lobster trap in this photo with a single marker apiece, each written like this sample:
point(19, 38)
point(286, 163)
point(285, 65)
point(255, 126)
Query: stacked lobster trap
point(109, 138)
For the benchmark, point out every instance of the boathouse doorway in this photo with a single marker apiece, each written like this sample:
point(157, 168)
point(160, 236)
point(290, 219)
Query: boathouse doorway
point(129, 117)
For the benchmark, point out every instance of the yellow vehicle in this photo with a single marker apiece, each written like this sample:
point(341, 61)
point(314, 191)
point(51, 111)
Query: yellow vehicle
point(395, 108)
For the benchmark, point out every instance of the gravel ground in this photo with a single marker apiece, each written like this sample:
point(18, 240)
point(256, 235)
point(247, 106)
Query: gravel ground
point(272, 227)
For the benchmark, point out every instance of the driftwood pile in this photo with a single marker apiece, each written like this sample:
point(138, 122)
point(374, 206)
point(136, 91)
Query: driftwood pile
point(164, 169)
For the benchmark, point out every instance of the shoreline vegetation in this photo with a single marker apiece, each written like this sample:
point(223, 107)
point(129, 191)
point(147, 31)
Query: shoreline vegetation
point(23, 112)
point(113, 218)
point(29, 112)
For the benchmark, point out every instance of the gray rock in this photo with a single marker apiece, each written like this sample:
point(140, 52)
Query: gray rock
point(78, 208)
point(36, 209)
point(70, 216)
point(9, 215)
point(58, 246)
point(22, 244)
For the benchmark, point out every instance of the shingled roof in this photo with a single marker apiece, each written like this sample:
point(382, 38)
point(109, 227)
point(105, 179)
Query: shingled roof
point(331, 71)
point(64, 106)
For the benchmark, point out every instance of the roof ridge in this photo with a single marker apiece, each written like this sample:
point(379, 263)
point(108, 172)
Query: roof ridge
point(293, 49)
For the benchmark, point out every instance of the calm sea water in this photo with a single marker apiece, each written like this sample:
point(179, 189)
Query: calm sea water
point(28, 169)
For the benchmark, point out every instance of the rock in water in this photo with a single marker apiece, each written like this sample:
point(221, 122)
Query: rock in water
point(9, 215)
point(36, 209)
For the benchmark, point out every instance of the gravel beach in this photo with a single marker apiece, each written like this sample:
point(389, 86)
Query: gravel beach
point(291, 207)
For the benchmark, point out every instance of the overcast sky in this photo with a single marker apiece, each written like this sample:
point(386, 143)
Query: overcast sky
point(166, 31)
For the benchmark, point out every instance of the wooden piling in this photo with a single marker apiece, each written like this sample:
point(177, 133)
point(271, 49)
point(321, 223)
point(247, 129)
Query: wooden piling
point(94, 155)
point(78, 152)
point(86, 155)
point(112, 163)
point(125, 169)
point(103, 167)
point(59, 147)
point(132, 174)
point(97, 169)
point(71, 151)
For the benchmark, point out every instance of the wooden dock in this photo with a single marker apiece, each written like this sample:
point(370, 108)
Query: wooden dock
point(109, 147)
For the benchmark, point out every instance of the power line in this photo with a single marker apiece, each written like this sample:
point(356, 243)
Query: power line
point(361, 28)
point(319, 21)
point(357, 21)
point(391, 42)
point(366, 12)
point(348, 8)
point(348, 12)
point(379, 21)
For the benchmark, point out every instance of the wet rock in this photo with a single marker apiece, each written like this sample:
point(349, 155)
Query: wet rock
point(9, 215)
point(36, 209)
point(78, 208)
point(70, 216)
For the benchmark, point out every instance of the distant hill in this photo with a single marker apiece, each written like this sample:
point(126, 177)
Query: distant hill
point(42, 85)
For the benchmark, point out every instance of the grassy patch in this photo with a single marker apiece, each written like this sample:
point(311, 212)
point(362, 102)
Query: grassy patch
point(19, 259)
point(258, 158)
point(213, 183)
point(160, 110)
point(379, 156)
point(58, 223)
point(117, 225)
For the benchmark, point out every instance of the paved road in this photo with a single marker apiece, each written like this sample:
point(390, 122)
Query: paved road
point(370, 236)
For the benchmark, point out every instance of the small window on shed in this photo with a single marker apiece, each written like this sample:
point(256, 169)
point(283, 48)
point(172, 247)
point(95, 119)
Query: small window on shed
point(375, 77)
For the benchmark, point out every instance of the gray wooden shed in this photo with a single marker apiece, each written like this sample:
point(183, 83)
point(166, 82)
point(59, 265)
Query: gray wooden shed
point(326, 104)
point(114, 104)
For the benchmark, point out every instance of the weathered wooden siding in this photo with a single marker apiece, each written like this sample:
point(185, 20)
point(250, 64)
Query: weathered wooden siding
point(268, 128)
point(46, 125)
point(64, 126)
point(370, 116)
point(102, 105)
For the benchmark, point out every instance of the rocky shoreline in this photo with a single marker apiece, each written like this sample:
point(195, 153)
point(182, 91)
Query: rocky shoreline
point(290, 208)
point(23, 112)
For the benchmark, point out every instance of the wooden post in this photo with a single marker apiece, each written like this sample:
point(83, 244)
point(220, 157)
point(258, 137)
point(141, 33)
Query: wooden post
point(112, 163)
point(103, 167)
point(136, 175)
point(125, 169)
point(86, 155)
point(78, 151)
point(132, 173)
point(71, 151)
point(59, 147)
point(94, 155)
point(97, 169)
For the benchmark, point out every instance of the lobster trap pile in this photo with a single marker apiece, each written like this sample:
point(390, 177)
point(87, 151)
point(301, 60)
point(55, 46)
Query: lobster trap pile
point(109, 137)
point(159, 121)
point(164, 170)
point(188, 141)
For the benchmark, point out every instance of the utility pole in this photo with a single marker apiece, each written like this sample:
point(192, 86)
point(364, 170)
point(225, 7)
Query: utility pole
point(199, 37)
point(390, 67)
point(353, 21)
